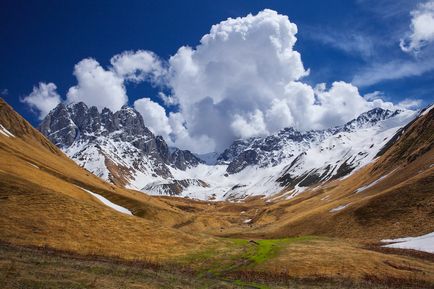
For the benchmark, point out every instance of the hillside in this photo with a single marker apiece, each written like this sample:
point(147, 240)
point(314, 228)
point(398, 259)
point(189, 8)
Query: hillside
point(44, 204)
point(389, 198)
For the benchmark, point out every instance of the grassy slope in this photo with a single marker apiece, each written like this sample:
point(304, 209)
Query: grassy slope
point(402, 204)
point(43, 206)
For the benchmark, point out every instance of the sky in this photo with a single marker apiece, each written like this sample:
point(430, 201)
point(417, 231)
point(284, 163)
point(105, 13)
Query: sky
point(204, 73)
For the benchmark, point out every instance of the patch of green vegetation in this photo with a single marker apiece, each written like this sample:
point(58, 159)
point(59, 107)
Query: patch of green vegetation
point(269, 248)
point(237, 254)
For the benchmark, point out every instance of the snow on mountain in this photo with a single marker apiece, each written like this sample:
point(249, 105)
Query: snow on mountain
point(118, 147)
point(114, 146)
point(296, 160)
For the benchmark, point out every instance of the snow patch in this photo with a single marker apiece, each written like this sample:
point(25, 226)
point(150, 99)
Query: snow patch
point(5, 132)
point(423, 243)
point(363, 188)
point(33, 165)
point(109, 203)
point(426, 111)
point(340, 208)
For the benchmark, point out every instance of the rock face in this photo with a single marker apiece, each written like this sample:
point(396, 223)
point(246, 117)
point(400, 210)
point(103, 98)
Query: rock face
point(116, 146)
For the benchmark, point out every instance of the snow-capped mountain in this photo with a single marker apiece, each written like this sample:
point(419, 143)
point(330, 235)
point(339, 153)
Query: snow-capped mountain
point(118, 147)
point(114, 146)
point(294, 160)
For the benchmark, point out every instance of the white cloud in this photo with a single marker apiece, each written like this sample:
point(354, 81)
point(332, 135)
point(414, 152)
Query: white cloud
point(238, 69)
point(339, 104)
point(350, 42)
point(97, 86)
point(43, 98)
point(180, 136)
point(422, 28)
point(244, 79)
point(397, 69)
point(250, 125)
point(154, 116)
point(374, 95)
point(410, 103)
point(378, 96)
point(138, 66)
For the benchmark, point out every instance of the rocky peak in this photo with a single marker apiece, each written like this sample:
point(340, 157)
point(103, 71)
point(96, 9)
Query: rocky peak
point(58, 127)
point(184, 159)
point(82, 127)
point(369, 118)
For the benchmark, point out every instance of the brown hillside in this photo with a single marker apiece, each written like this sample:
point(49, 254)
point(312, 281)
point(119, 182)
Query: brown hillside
point(41, 203)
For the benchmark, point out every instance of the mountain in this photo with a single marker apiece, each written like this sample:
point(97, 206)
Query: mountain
point(392, 196)
point(46, 199)
point(116, 146)
point(295, 160)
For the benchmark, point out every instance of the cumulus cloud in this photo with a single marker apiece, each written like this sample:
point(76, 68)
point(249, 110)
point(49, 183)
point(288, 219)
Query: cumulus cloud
point(138, 65)
point(97, 86)
point(245, 79)
point(421, 28)
point(154, 116)
point(43, 98)
point(230, 79)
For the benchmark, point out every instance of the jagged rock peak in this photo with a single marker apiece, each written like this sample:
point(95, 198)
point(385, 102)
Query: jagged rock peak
point(79, 123)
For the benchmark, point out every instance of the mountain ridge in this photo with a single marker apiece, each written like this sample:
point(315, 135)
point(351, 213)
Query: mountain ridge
point(120, 148)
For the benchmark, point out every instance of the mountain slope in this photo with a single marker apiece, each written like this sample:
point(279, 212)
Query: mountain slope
point(43, 203)
point(391, 197)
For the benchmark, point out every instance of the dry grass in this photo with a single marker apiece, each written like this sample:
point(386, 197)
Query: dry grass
point(22, 267)
point(43, 206)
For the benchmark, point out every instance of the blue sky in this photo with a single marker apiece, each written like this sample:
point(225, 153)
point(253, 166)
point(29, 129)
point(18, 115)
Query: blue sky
point(353, 41)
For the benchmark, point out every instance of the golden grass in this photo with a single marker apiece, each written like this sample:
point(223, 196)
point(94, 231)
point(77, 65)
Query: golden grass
point(332, 257)
point(44, 206)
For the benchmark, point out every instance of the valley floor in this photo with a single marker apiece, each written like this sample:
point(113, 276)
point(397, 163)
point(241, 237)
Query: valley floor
point(246, 265)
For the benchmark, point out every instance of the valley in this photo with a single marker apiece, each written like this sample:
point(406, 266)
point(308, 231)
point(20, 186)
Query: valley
point(75, 230)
